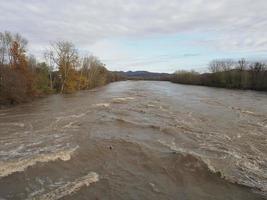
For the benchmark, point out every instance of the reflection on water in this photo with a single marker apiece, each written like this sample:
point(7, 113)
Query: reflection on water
point(136, 140)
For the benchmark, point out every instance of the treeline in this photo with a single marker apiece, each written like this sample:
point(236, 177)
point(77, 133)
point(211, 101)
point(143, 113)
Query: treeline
point(227, 73)
point(22, 77)
point(144, 75)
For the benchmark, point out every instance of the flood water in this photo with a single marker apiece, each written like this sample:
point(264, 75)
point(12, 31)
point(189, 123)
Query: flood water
point(136, 140)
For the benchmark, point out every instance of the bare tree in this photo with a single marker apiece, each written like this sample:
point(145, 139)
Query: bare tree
point(222, 65)
point(48, 55)
point(227, 64)
point(242, 64)
point(6, 40)
point(66, 58)
point(215, 66)
point(32, 63)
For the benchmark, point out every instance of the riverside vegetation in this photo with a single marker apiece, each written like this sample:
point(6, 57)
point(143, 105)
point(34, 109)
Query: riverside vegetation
point(224, 73)
point(227, 73)
point(22, 77)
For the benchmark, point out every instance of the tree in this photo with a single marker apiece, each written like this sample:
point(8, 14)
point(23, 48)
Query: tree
point(258, 75)
point(48, 55)
point(19, 63)
point(22, 77)
point(42, 83)
point(13, 86)
point(66, 58)
point(93, 73)
point(6, 39)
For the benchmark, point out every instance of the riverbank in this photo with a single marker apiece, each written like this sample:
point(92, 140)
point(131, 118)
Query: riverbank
point(227, 74)
point(7, 104)
point(23, 78)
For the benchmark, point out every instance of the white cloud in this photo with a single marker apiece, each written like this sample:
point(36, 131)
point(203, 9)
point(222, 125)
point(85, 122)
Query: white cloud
point(239, 25)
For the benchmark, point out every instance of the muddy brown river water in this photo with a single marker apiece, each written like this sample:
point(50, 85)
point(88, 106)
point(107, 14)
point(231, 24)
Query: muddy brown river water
point(136, 140)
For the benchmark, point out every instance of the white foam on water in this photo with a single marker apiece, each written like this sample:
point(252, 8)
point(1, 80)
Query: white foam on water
point(106, 105)
point(151, 105)
point(248, 112)
point(183, 151)
point(79, 115)
point(122, 99)
point(241, 162)
point(10, 167)
point(69, 188)
point(262, 125)
point(70, 116)
point(69, 125)
point(21, 125)
point(154, 188)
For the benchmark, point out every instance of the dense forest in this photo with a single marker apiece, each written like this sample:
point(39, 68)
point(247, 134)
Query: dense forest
point(227, 73)
point(22, 77)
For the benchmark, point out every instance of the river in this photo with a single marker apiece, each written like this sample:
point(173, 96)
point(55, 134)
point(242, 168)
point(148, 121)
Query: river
point(136, 140)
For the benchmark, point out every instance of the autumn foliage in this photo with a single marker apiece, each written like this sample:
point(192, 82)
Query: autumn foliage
point(22, 78)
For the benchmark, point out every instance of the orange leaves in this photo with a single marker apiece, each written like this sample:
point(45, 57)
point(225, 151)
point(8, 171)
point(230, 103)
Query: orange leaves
point(18, 58)
point(19, 63)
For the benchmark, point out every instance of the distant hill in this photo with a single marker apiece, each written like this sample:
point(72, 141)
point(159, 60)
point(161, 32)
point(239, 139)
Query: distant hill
point(144, 75)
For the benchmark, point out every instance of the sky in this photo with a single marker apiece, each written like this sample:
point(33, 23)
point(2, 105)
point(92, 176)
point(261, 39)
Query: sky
point(152, 35)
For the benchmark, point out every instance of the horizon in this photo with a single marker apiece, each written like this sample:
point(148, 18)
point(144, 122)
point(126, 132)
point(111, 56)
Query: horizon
point(130, 36)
